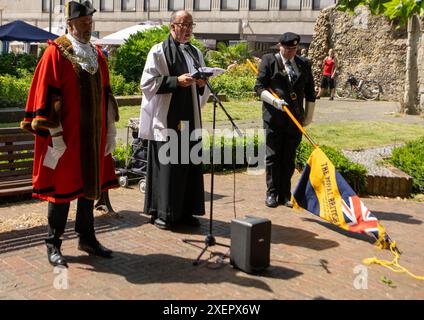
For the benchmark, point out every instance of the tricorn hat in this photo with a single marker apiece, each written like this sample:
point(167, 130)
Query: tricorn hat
point(289, 39)
point(76, 10)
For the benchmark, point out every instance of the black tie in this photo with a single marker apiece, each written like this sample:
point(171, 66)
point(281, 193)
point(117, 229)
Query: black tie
point(292, 73)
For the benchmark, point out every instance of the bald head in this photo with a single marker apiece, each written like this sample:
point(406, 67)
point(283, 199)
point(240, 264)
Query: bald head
point(181, 26)
point(179, 13)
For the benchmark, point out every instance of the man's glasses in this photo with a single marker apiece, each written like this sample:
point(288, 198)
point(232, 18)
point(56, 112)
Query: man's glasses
point(186, 25)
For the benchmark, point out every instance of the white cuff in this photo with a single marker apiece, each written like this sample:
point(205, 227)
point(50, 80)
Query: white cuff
point(53, 131)
point(267, 97)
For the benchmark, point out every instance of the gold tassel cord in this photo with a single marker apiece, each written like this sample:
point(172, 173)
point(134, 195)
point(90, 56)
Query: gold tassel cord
point(394, 264)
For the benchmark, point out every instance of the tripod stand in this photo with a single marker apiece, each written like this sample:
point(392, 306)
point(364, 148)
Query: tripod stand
point(210, 239)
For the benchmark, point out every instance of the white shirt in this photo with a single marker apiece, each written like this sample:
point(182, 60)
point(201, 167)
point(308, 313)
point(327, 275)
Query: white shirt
point(86, 54)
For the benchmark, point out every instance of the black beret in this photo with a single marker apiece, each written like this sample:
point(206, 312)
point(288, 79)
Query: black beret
point(76, 10)
point(290, 39)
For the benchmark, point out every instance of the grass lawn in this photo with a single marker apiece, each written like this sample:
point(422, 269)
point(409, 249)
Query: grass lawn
point(239, 110)
point(344, 135)
point(364, 134)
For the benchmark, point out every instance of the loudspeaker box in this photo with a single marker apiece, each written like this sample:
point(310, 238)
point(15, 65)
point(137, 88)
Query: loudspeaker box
point(250, 243)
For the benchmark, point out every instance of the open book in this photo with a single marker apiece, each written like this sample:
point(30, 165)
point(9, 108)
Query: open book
point(206, 72)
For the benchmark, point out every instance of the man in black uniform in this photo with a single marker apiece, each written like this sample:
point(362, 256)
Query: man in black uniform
point(290, 77)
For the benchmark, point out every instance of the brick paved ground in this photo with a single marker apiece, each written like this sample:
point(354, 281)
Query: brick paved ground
point(309, 258)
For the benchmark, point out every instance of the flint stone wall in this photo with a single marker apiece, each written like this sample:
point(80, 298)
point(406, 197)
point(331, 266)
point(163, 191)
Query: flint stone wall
point(365, 46)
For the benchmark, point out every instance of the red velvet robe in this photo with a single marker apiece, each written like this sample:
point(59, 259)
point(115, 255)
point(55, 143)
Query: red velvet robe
point(55, 96)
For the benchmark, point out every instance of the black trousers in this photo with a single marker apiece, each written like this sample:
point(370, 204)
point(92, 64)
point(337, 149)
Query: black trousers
point(281, 144)
point(58, 215)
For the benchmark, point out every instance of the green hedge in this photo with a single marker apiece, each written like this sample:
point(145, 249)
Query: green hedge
point(410, 159)
point(16, 64)
point(14, 91)
point(236, 83)
point(122, 87)
point(354, 174)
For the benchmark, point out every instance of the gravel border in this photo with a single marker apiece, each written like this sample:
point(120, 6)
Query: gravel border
point(370, 158)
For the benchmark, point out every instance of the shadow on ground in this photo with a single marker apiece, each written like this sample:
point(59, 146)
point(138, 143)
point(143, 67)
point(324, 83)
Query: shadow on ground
point(279, 234)
point(25, 238)
point(354, 235)
point(391, 216)
point(164, 268)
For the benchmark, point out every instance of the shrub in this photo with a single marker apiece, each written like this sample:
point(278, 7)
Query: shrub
point(13, 64)
point(353, 173)
point(226, 146)
point(121, 87)
point(410, 159)
point(237, 83)
point(121, 153)
point(14, 91)
point(226, 55)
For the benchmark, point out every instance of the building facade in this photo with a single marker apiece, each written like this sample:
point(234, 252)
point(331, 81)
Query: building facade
point(260, 22)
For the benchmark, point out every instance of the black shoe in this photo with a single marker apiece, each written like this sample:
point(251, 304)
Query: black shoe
point(331, 98)
point(271, 201)
point(95, 248)
point(55, 257)
point(161, 224)
point(286, 203)
point(191, 221)
point(317, 97)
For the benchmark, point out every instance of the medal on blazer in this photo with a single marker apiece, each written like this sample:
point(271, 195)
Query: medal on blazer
point(180, 126)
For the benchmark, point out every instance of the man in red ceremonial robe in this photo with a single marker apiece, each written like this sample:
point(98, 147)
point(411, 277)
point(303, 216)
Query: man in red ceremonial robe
point(72, 113)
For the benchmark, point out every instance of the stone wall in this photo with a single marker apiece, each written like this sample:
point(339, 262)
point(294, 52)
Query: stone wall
point(421, 67)
point(365, 46)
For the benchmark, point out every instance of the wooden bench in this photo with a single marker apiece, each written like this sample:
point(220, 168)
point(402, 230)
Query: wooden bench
point(16, 161)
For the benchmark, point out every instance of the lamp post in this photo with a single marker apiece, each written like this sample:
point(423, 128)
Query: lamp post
point(148, 10)
point(50, 15)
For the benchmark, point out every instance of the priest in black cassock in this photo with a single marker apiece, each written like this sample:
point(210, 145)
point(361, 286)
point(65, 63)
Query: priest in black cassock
point(170, 107)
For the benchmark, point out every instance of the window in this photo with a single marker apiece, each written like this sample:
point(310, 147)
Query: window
point(128, 5)
point(229, 4)
point(258, 4)
point(106, 5)
point(202, 5)
point(151, 5)
point(321, 4)
point(174, 5)
point(290, 4)
point(45, 5)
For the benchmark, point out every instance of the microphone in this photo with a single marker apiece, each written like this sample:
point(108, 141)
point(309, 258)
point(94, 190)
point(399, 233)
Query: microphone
point(186, 48)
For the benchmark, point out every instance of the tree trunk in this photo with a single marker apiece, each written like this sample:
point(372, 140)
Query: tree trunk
point(411, 79)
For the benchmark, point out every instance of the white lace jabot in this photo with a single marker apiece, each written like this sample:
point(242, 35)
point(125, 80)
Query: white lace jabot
point(86, 55)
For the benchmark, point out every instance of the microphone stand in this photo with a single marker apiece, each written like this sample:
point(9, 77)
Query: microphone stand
point(210, 239)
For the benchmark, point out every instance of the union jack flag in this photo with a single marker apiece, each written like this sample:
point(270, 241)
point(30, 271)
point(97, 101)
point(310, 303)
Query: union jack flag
point(358, 217)
point(324, 192)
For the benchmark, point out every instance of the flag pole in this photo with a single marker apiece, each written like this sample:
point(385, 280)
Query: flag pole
point(255, 70)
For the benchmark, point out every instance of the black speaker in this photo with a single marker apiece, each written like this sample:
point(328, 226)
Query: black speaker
point(250, 243)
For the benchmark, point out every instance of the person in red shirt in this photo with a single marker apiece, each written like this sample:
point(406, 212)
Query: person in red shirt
point(72, 113)
point(327, 80)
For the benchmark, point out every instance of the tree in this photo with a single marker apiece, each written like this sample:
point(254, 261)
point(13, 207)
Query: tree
point(400, 13)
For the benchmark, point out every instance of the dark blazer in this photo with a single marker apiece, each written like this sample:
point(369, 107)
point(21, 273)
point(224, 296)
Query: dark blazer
point(270, 76)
